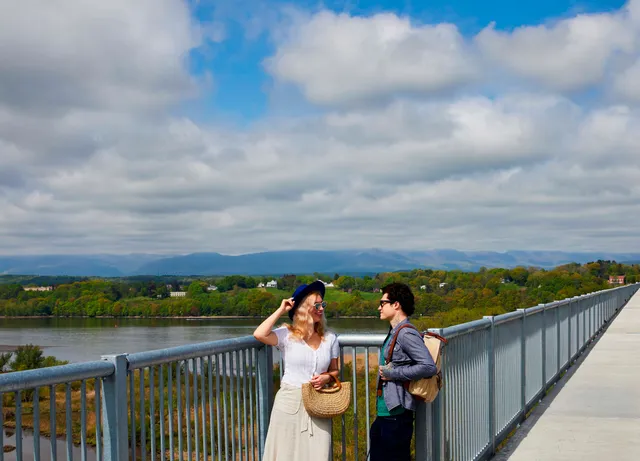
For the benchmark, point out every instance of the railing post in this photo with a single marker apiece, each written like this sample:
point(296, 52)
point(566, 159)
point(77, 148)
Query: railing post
point(424, 431)
point(492, 383)
point(558, 342)
point(569, 332)
point(265, 393)
point(429, 422)
point(438, 415)
point(114, 416)
point(578, 306)
point(523, 364)
point(543, 340)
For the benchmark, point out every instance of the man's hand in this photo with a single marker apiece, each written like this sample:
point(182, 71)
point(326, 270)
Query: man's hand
point(383, 370)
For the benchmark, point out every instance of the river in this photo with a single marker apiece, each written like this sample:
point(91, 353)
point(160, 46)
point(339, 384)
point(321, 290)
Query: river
point(83, 339)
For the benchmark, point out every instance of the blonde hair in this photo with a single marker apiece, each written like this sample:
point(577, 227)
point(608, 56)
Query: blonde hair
point(303, 321)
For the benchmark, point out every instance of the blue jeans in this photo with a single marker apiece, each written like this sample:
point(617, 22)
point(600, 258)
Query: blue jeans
point(391, 437)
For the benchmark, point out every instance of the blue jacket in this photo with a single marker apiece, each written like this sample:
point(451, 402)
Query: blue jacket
point(411, 360)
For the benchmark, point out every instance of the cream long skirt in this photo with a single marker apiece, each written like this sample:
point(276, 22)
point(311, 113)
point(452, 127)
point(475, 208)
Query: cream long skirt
point(293, 435)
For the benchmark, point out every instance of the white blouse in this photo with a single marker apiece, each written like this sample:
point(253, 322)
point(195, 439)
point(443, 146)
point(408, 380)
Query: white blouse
point(301, 362)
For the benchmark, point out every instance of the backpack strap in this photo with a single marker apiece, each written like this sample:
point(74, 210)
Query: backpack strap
point(392, 344)
point(389, 356)
point(437, 336)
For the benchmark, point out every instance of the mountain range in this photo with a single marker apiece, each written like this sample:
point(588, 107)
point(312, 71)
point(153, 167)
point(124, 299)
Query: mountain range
point(292, 262)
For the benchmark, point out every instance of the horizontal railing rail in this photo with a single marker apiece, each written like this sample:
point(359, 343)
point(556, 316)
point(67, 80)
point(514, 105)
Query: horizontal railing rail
point(213, 400)
point(29, 379)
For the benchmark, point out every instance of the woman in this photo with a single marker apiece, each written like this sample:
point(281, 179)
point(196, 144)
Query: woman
point(307, 351)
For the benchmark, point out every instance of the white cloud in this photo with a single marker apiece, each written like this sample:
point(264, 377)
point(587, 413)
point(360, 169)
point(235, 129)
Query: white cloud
point(117, 55)
point(337, 57)
point(342, 59)
point(567, 55)
point(505, 173)
point(627, 84)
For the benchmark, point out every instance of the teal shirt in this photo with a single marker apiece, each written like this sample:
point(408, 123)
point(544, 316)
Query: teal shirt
point(381, 406)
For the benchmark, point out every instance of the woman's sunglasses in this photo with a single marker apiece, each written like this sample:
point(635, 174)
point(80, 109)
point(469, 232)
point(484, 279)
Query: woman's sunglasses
point(323, 304)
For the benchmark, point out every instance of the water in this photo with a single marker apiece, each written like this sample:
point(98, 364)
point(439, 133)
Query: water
point(45, 448)
point(83, 339)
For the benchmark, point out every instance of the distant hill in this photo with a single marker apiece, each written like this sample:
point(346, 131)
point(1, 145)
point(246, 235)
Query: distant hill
point(75, 265)
point(292, 262)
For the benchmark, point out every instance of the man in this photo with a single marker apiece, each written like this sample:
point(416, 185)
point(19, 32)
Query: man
point(392, 430)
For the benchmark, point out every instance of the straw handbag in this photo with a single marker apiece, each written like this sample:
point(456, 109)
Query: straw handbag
point(327, 402)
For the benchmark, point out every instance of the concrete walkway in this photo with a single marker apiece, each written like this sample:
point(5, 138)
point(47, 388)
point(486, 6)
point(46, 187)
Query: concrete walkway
point(596, 415)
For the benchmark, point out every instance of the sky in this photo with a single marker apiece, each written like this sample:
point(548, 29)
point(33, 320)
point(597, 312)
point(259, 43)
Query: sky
point(172, 126)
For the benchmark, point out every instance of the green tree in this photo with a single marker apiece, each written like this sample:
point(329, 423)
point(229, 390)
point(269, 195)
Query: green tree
point(4, 361)
point(197, 289)
point(27, 357)
point(162, 291)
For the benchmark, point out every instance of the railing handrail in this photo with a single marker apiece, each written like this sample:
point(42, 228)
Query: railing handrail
point(28, 379)
point(361, 340)
point(190, 351)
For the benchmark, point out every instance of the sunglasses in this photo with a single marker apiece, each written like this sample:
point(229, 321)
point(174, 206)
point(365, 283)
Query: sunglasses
point(385, 301)
point(322, 305)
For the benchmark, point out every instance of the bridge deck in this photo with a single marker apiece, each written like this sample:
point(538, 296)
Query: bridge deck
point(596, 415)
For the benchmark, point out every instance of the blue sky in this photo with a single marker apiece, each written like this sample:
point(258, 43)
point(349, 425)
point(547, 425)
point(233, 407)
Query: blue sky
point(243, 90)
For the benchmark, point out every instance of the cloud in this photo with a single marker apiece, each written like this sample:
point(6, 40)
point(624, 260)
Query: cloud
point(627, 84)
point(113, 55)
point(567, 55)
point(97, 170)
point(468, 173)
point(337, 57)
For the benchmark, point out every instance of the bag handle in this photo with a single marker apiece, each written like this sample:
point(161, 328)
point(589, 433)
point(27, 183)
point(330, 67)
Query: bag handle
point(333, 389)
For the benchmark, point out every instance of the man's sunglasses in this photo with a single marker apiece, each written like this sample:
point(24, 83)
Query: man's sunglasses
point(385, 301)
point(323, 304)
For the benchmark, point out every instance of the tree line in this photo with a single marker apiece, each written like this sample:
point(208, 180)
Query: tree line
point(445, 297)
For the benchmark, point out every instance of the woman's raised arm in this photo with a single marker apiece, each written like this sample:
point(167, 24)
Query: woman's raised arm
point(264, 332)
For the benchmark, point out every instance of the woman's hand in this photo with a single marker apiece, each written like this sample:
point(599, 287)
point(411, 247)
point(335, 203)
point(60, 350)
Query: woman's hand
point(319, 381)
point(286, 304)
point(263, 333)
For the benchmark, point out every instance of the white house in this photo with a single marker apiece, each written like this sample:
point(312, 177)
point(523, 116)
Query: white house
point(423, 287)
point(272, 284)
point(260, 285)
point(327, 285)
point(212, 288)
point(38, 288)
point(177, 294)
point(443, 284)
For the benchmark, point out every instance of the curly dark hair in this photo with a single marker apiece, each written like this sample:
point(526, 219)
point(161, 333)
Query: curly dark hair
point(401, 293)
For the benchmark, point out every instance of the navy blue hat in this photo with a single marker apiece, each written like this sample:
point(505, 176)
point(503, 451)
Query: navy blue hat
point(302, 291)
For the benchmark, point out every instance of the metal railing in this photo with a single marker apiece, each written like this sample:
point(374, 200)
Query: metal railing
point(213, 400)
point(498, 368)
point(25, 390)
